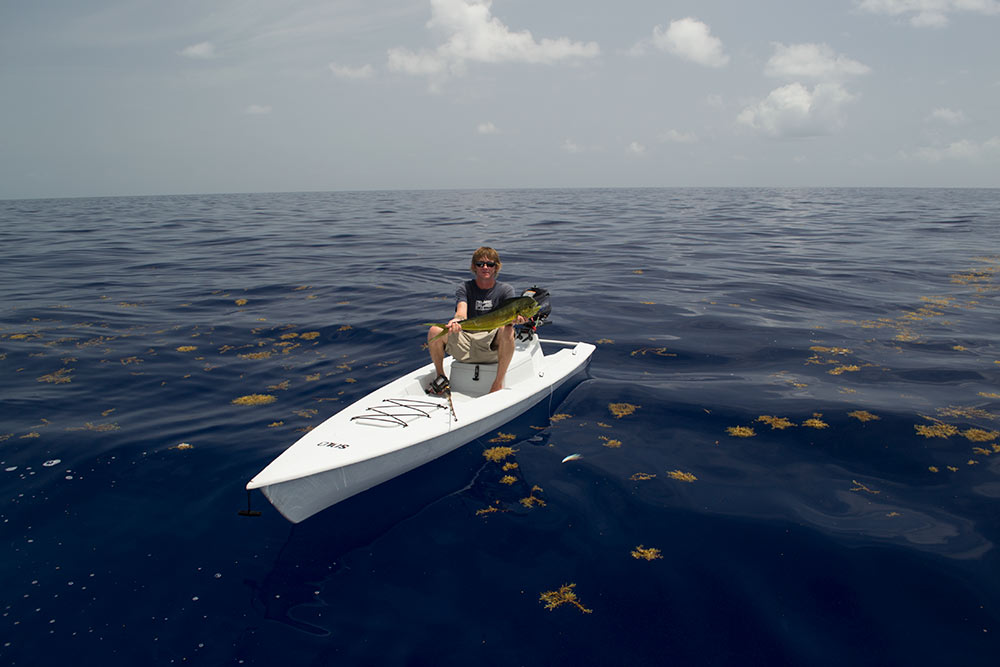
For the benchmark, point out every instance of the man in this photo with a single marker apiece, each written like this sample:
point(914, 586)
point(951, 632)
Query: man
point(475, 297)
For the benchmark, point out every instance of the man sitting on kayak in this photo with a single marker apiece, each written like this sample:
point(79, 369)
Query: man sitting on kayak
point(475, 297)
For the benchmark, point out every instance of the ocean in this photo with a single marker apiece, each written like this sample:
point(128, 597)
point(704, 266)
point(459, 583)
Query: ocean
point(788, 434)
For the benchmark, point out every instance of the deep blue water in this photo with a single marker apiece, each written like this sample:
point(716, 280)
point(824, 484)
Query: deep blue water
point(129, 325)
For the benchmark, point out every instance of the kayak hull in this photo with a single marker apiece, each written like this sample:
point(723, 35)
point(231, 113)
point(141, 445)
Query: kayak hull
point(397, 427)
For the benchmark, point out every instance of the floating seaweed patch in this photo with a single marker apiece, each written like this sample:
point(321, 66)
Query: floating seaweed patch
point(604, 341)
point(740, 431)
point(958, 412)
point(313, 378)
point(187, 348)
point(563, 595)
point(182, 446)
point(681, 476)
point(503, 437)
point(99, 428)
point(646, 553)
point(815, 422)
point(487, 510)
point(345, 327)
point(307, 413)
point(620, 410)
point(265, 354)
point(779, 423)
point(608, 442)
point(830, 350)
point(60, 376)
point(32, 435)
point(310, 335)
point(281, 386)
point(241, 302)
point(131, 360)
point(933, 468)
point(276, 424)
point(508, 480)
point(980, 435)
point(254, 399)
point(498, 454)
point(658, 351)
point(938, 430)
point(858, 486)
point(863, 416)
point(559, 417)
point(982, 451)
point(531, 500)
point(847, 368)
point(288, 336)
point(350, 380)
point(989, 394)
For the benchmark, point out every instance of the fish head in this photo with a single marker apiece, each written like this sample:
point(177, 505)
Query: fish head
point(527, 307)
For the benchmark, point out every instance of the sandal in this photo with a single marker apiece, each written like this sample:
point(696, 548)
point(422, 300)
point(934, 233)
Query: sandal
point(439, 387)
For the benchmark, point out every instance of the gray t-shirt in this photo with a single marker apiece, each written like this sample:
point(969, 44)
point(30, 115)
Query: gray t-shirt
point(483, 300)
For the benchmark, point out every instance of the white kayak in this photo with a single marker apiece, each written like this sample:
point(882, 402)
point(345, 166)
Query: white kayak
point(399, 427)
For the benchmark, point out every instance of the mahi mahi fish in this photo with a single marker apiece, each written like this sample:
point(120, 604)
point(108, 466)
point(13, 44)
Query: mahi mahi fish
point(504, 314)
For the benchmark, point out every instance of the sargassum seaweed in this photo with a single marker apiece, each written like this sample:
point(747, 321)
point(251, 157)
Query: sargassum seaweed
point(564, 595)
point(646, 553)
point(620, 410)
point(498, 454)
point(254, 399)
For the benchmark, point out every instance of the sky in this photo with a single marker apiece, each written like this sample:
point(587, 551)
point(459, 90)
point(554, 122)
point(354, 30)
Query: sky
point(143, 97)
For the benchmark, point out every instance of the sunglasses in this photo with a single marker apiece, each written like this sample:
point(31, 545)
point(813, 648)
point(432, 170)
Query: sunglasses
point(489, 264)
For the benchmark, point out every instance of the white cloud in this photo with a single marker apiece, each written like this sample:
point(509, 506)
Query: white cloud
point(571, 146)
point(962, 150)
point(929, 13)
point(487, 128)
point(201, 51)
point(811, 61)
point(351, 72)
point(257, 110)
point(692, 40)
point(947, 116)
point(796, 111)
point(635, 148)
point(475, 35)
point(676, 137)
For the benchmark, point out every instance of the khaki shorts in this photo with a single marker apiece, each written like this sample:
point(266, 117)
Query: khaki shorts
point(473, 347)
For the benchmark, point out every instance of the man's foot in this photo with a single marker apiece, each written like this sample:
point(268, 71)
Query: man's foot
point(439, 387)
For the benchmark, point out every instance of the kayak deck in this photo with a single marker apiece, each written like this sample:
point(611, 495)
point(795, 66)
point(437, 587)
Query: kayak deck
point(399, 427)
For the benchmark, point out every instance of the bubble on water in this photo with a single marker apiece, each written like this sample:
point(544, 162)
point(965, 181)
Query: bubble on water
point(10, 469)
point(51, 462)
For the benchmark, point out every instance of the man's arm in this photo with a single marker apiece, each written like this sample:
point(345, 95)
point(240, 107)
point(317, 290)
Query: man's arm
point(461, 313)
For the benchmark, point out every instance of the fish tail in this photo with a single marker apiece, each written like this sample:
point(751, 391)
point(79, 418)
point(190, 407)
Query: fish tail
point(442, 326)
